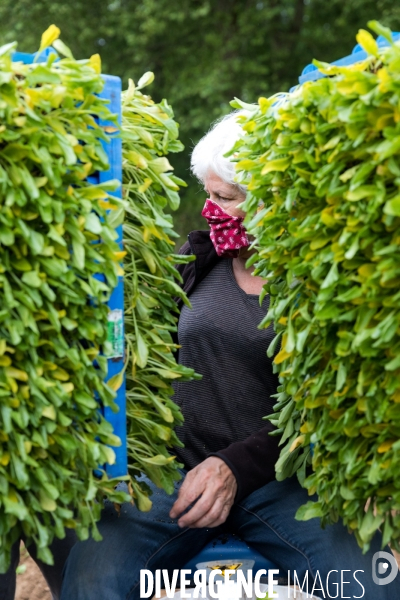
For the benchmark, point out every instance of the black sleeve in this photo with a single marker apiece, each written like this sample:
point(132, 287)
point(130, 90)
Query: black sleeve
point(252, 461)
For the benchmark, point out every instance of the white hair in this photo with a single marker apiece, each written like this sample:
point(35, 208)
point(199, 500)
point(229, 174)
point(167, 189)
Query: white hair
point(208, 154)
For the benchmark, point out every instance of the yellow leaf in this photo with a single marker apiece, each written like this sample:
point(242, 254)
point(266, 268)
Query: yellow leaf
point(264, 103)
point(68, 387)
point(47, 503)
point(160, 165)
point(116, 381)
point(25, 391)
point(110, 455)
point(49, 412)
point(327, 218)
point(120, 255)
point(362, 405)
point(85, 171)
point(246, 164)
point(3, 345)
point(136, 158)
point(315, 402)
point(12, 495)
point(319, 242)
point(337, 413)
point(49, 36)
point(149, 231)
point(283, 355)
point(93, 193)
point(279, 164)
point(396, 396)
point(367, 42)
point(79, 94)
point(145, 185)
point(384, 78)
point(366, 270)
point(120, 271)
point(296, 443)
point(60, 374)
point(16, 373)
point(385, 446)
point(5, 459)
point(95, 62)
point(306, 427)
point(5, 361)
point(48, 365)
point(107, 205)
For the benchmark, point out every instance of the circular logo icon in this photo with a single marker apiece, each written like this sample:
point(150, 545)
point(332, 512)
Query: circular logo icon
point(382, 567)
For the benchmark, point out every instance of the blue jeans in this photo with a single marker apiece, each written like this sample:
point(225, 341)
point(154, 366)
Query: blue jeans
point(110, 569)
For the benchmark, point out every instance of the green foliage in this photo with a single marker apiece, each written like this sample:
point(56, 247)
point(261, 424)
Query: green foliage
point(149, 133)
point(325, 164)
point(203, 52)
point(55, 235)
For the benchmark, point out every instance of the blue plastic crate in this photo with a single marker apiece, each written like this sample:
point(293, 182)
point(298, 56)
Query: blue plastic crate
point(311, 72)
point(111, 92)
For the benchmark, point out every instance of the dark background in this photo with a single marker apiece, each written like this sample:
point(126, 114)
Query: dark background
point(203, 52)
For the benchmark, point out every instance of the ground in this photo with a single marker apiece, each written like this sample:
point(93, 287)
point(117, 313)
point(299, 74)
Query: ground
point(30, 582)
point(32, 586)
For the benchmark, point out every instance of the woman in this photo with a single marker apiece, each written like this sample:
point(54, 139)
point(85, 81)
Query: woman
point(229, 457)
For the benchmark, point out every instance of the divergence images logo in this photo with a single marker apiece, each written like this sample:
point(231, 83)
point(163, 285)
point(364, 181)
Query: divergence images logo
point(383, 566)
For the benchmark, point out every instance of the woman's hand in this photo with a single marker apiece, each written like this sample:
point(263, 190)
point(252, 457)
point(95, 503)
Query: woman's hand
point(213, 485)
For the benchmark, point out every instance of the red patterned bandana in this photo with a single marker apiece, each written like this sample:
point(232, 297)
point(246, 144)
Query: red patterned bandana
point(227, 233)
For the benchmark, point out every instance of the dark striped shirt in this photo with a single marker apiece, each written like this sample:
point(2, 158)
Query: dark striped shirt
point(223, 411)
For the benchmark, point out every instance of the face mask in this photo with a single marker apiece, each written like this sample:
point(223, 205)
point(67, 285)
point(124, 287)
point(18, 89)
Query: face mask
point(227, 233)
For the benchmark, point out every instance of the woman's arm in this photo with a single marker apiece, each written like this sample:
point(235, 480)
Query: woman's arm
point(252, 461)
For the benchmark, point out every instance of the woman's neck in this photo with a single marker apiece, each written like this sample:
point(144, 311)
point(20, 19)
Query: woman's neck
point(249, 283)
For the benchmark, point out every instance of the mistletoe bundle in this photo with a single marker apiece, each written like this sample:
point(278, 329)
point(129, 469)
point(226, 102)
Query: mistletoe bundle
point(55, 236)
point(149, 133)
point(325, 165)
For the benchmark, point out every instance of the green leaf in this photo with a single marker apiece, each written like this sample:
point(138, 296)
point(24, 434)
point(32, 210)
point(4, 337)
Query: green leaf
point(32, 279)
point(331, 278)
point(310, 510)
point(62, 48)
point(380, 29)
point(78, 254)
point(42, 74)
point(392, 207)
point(145, 80)
point(47, 503)
point(6, 236)
point(141, 352)
point(92, 223)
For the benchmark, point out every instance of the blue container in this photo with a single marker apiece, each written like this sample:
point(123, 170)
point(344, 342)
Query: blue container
point(112, 93)
point(311, 72)
point(227, 551)
point(28, 59)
